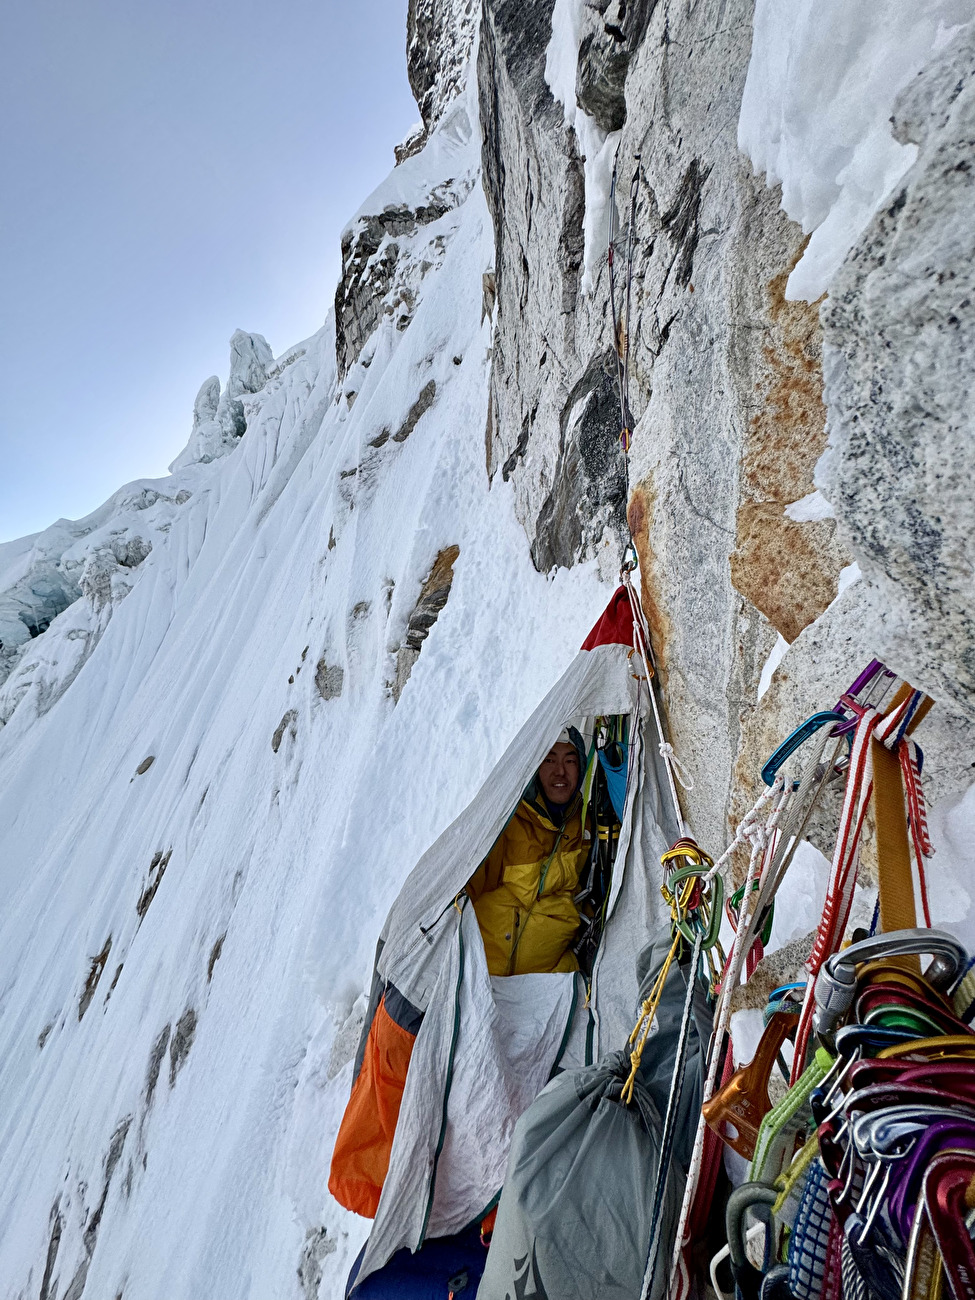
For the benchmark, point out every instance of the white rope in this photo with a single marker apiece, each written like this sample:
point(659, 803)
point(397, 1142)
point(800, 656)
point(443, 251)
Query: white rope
point(684, 778)
point(641, 636)
point(760, 836)
point(747, 829)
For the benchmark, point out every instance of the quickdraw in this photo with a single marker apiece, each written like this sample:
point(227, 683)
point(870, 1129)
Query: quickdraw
point(864, 1172)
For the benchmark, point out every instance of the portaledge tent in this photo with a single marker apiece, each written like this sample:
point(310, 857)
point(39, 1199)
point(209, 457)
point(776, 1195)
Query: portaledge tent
point(486, 1046)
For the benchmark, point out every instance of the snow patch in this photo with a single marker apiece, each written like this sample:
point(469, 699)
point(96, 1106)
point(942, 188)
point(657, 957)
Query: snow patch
point(949, 873)
point(776, 655)
point(815, 114)
point(810, 508)
point(849, 574)
point(800, 909)
point(596, 147)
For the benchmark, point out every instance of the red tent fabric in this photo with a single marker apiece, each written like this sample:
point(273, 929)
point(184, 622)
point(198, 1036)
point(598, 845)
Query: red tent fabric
point(615, 625)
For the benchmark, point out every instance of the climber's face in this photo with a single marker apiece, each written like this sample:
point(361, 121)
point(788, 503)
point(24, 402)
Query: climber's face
point(559, 773)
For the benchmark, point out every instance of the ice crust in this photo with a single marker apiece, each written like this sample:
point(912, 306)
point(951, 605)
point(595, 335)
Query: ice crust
point(596, 146)
point(815, 115)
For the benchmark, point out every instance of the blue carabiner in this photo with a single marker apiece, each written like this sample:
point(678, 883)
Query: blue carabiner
point(798, 737)
point(857, 1038)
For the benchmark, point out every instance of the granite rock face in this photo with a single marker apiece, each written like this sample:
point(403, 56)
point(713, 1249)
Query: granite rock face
point(725, 377)
point(553, 424)
point(727, 398)
point(439, 36)
point(370, 262)
point(900, 336)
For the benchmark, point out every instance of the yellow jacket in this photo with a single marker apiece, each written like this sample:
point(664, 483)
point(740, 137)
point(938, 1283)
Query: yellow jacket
point(529, 923)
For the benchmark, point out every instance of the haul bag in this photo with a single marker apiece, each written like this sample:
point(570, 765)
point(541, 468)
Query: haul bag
point(574, 1217)
point(573, 1221)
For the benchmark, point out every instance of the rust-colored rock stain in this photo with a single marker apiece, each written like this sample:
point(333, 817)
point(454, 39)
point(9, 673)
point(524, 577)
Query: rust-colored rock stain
point(788, 570)
point(639, 514)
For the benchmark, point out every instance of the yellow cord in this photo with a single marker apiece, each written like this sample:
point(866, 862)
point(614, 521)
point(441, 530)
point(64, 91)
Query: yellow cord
point(648, 1010)
point(642, 1028)
point(786, 1182)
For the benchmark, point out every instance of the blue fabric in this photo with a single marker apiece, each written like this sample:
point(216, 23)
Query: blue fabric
point(556, 811)
point(615, 780)
point(432, 1273)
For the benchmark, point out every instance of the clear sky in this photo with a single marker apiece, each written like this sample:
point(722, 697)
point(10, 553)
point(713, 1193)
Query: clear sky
point(170, 171)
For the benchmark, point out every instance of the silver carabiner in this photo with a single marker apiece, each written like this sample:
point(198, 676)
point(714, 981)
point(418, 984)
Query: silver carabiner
point(836, 983)
point(630, 558)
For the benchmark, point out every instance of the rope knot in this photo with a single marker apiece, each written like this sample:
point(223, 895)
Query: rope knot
point(683, 777)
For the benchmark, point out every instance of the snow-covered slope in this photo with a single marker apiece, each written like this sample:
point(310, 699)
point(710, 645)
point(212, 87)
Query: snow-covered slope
point(184, 943)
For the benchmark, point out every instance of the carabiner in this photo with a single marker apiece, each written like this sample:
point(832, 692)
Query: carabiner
point(797, 738)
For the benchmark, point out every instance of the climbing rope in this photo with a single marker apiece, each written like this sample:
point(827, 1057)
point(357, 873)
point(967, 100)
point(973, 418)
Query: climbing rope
point(760, 836)
point(648, 1011)
point(857, 1148)
point(641, 638)
point(695, 918)
point(668, 1133)
point(620, 310)
point(772, 845)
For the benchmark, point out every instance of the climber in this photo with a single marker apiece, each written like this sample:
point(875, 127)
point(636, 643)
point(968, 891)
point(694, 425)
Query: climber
point(524, 889)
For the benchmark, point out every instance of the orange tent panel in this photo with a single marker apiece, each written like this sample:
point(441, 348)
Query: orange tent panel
point(360, 1160)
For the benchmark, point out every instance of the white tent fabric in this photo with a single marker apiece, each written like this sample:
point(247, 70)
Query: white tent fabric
point(459, 1110)
point(636, 908)
point(601, 681)
point(510, 1031)
point(487, 1047)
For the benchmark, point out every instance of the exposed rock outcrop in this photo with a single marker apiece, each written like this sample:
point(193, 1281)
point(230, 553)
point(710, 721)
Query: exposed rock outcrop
point(605, 54)
point(788, 568)
point(736, 544)
point(439, 35)
point(429, 605)
point(716, 357)
point(553, 424)
point(370, 262)
point(900, 336)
